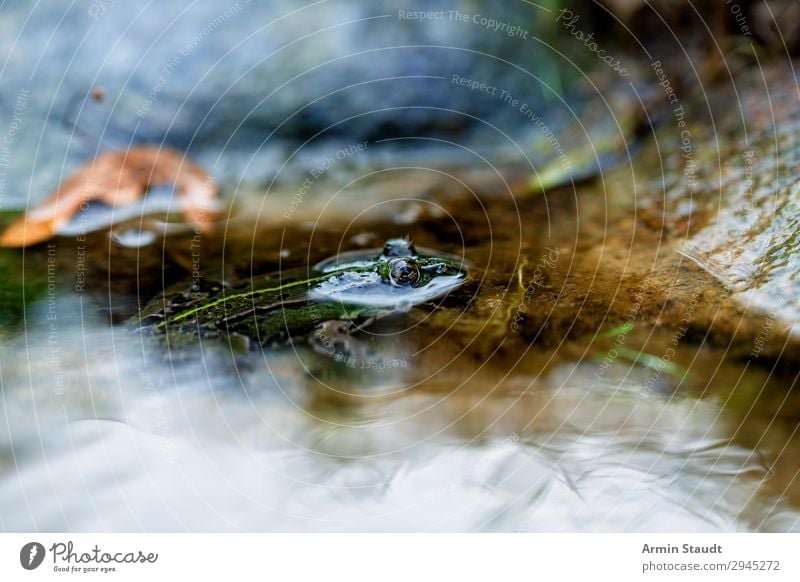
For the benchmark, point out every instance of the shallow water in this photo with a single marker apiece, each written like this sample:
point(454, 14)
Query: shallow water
point(129, 446)
point(610, 365)
point(495, 410)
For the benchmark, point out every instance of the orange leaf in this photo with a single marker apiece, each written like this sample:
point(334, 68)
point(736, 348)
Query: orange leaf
point(118, 178)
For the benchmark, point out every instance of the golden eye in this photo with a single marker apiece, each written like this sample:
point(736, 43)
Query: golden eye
point(404, 272)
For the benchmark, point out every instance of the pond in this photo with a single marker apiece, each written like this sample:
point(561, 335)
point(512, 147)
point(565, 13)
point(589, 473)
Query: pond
point(622, 355)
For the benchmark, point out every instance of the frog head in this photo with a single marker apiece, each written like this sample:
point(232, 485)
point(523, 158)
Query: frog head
point(398, 277)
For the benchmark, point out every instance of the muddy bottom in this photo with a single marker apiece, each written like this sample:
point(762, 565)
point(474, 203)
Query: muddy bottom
point(560, 389)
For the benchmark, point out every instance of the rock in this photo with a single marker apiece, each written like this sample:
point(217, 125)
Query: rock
point(729, 202)
point(242, 85)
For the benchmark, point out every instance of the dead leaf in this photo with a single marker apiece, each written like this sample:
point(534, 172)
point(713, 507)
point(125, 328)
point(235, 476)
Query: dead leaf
point(117, 178)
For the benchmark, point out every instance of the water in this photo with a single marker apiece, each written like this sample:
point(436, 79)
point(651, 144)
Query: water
point(477, 427)
point(604, 368)
point(134, 447)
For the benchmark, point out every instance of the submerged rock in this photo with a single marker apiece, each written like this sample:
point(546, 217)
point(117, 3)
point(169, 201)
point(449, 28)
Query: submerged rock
point(729, 201)
point(692, 241)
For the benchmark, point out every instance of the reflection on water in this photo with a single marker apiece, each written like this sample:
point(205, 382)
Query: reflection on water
point(481, 426)
point(122, 441)
point(501, 409)
point(587, 377)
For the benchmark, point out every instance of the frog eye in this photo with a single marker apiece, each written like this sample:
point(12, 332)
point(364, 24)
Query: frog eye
point(404, 272)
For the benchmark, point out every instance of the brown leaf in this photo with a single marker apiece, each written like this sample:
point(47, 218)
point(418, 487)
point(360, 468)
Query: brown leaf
point(117, 178)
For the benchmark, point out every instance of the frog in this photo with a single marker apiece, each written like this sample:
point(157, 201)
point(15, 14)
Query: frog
point(321, 305)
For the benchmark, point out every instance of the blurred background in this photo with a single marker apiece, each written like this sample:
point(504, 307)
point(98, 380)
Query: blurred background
point(620, 175)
